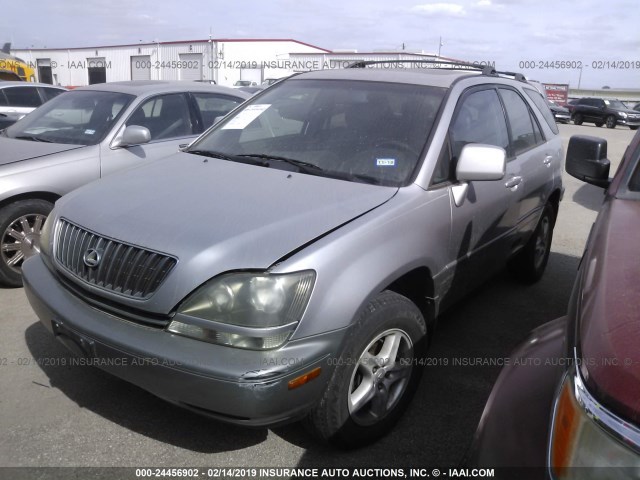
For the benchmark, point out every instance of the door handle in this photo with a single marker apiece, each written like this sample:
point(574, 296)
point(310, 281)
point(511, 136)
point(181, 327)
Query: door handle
point(547, 160)
point(513, 183)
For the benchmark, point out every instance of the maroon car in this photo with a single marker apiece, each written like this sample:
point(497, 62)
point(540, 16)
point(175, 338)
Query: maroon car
point(570, 395)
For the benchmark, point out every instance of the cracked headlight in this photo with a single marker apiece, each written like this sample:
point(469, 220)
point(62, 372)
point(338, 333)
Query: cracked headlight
point(245, 310)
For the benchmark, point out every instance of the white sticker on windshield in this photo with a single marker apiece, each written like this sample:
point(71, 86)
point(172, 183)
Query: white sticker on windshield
point(386, 162)
point(246, 116)
point(88, 131)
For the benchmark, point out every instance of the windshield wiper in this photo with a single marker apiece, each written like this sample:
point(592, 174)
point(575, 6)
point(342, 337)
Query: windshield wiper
point(224, 156)
point(33, 138)
point(304, 167)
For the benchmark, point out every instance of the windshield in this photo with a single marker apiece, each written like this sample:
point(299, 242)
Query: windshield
point(78, 117)
point(617, 104)
point(362, 131)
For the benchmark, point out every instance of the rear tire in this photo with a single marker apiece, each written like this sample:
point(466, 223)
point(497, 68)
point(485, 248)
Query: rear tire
point(577, 119)
point(20, 226)
point(633, 128)
point(611, 121)
point(377, 374)
point(529, 263)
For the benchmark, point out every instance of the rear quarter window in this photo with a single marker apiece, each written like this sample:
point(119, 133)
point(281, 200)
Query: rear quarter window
point(543, 108)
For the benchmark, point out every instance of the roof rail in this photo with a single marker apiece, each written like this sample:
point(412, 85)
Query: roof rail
point(491, 71)
point(486, 70)
point(464, 65)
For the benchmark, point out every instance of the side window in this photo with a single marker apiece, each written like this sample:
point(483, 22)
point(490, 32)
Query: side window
point(3, 99)
point(212, 105)
point(166, 116)
point(23, 97)
point(541, 104)
point(525, 133)
point(50, 93)
point(479, 119)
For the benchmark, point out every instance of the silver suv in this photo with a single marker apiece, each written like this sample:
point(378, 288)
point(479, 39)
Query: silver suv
point(291, 263)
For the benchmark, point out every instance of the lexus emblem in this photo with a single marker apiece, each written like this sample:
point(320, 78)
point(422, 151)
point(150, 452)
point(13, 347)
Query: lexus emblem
point(92, 258)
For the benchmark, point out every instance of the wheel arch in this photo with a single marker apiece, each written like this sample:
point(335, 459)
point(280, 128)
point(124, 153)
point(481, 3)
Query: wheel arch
point(418, 286)
point(554, 201)
point(40, 195)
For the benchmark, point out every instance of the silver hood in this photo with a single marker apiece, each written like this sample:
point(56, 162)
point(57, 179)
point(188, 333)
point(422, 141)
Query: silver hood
point(215, 215)
point(12, 150)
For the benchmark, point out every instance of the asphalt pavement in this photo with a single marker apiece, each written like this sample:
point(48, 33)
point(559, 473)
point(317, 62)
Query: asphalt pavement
point(60, 415)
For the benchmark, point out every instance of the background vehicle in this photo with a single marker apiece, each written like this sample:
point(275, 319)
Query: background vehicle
point(269, 81)
point(561, 114)
point(331, 219)
point(244, 83)
point(8, 75)
point(18, 66)
point(571, 104)
point(86, 134)
point(601, 111)
point(574, 402)
point(19, 98)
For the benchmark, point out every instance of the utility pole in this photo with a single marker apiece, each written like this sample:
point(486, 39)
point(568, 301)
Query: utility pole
point(440, 44)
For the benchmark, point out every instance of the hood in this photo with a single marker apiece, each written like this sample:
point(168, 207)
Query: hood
point(216, 215)
point(558, 109)
point(610, 308)
point(14, 150)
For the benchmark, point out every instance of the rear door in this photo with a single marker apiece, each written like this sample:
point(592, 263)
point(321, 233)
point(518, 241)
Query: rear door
point(530, 159)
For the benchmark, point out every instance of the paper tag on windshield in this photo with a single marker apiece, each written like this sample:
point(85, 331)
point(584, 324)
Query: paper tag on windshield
point(386, 162)
point(89, 131)
point(245, 117)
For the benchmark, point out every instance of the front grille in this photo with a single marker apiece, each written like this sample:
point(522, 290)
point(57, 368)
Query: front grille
point(120, 268)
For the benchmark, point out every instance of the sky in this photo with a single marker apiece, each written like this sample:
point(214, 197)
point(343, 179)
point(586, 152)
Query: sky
point(601, 37)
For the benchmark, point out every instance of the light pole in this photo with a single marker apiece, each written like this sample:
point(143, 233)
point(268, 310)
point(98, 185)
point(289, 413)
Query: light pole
point(440, 44)
point(580, 78)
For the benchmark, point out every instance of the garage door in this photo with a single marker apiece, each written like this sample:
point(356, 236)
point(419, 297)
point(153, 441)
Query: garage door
point(141, 67)
point(252, 74)
point(191, 66)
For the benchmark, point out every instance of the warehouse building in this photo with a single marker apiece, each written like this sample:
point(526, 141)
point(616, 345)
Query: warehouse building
point(223, 60)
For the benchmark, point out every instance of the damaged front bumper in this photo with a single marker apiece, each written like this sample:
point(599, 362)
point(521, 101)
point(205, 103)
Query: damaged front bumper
point(239, 386)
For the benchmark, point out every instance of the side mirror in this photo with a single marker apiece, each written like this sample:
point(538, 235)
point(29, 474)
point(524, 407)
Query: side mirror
point(133, 135)
point(587, 160)
point(481, 162)
point(478, 162)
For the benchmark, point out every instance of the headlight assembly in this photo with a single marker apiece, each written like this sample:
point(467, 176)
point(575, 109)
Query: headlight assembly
point(622, 114)
point(245, 310)
point(585, 434)
point(45, 235)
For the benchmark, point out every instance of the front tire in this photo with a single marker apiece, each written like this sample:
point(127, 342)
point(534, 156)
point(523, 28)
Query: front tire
point(529, 263)
point(376, 376)
point(577, 119)
point(633, 128)
point(599, 124)
point(611, 121)
point(20, 226)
